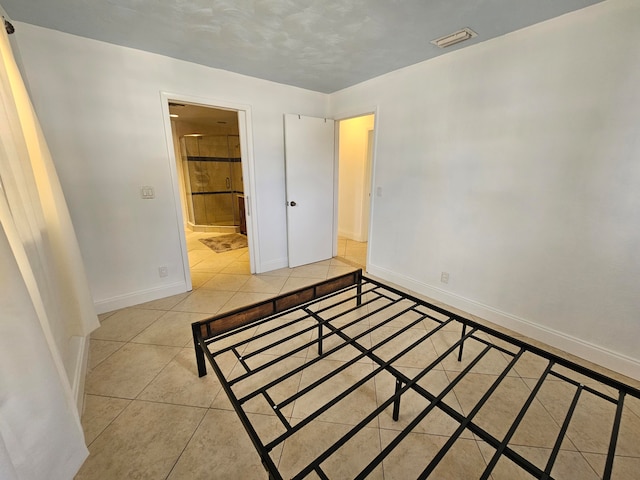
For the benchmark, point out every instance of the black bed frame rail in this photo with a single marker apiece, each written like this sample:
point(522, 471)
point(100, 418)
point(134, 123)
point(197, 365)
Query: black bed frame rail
point(207, 331)
point(209, 328)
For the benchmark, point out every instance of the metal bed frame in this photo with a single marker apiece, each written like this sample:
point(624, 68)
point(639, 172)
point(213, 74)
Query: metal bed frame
point(318, 322)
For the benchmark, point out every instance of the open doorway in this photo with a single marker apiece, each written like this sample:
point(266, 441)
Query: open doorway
point(355, 158)
point(210, 166)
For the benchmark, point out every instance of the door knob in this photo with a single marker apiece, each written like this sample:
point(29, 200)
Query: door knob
point(292, 204)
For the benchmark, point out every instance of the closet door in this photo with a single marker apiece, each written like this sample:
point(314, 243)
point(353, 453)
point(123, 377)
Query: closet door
point(309, 163)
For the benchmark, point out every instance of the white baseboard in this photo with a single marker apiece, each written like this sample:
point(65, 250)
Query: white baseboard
point(136, 298)
point(594, 353)
point(80, 348)
point(346, 234)
point(355, 236)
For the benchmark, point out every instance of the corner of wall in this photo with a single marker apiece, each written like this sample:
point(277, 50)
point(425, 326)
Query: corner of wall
point(596, 354)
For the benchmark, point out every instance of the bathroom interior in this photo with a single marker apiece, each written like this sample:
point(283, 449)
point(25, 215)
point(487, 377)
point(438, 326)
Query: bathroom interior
point(207, 147)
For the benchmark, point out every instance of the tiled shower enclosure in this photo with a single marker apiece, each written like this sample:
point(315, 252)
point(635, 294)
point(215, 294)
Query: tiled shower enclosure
point(213, 177)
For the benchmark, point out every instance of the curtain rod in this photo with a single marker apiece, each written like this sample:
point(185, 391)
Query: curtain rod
point(8, 26)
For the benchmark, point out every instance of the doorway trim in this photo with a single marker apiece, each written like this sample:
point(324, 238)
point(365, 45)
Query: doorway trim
point(338, 117)
point(248, 172)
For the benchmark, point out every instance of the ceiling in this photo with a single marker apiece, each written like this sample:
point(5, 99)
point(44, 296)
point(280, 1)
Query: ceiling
point(191, 119)
point(207, 116)
point(321, 45)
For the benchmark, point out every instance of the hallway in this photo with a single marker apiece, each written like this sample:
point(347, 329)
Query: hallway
point(352, 252)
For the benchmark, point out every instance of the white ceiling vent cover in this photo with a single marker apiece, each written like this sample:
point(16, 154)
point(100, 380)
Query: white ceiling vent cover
point(455, 37)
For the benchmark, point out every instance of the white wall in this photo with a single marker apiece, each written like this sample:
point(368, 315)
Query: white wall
point(100, 108)
point(511, 164)
point(514, 165)
point(352, 163)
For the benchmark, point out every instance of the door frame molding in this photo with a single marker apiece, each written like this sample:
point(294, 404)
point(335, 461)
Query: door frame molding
point(248, 172)
point(368, 172)
point(338, 117)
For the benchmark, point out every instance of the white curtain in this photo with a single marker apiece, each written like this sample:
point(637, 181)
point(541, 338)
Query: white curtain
point(45, 304)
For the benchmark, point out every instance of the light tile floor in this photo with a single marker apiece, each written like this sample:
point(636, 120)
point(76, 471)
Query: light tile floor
point(352, 252)
point(148, 415)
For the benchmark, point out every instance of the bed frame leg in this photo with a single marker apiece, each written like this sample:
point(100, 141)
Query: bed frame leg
point(319, 339)
point(271, 476)
point(464, 331)
point(202, 366)
point(396, 402)
point(359, 287)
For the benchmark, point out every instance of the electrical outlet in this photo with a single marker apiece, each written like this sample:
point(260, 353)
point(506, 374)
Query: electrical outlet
point(147, 192)
point(444, 278)
point(163, 272)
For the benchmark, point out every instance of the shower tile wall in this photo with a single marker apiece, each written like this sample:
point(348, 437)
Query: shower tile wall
point(215, 172)
point(236, 172)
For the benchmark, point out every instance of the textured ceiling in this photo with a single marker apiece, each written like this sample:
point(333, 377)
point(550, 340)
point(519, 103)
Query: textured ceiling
point(322, 45)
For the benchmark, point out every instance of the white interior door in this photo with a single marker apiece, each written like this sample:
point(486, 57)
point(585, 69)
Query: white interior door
point(309, 163)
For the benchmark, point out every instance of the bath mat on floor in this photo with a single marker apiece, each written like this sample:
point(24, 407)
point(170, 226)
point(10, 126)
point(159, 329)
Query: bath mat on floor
point(224, 243)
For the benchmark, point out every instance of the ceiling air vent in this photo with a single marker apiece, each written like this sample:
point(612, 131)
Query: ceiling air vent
point(455, 37)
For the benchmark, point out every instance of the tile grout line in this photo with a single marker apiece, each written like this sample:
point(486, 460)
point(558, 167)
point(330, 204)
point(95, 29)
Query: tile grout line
point(187, 443)
point(90, 369)
point(114, 418)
